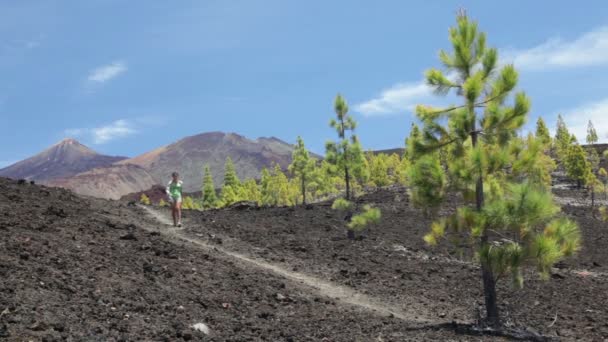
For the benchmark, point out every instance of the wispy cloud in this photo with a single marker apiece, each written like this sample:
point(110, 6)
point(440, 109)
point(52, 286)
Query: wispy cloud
point(399, 98)
point(103, 134)
point(577, 119)
point(106, 73)
point(589, 49)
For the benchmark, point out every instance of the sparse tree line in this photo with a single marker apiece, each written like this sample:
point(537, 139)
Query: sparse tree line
point(508, 216)
point(306, 180)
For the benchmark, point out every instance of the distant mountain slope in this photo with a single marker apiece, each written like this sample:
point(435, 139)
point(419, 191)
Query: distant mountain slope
point(111, 182)
point(188, 156)
point(64, 159)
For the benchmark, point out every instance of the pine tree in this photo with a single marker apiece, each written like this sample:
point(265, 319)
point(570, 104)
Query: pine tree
point(230, 176)
point(280, 186)
point(591, 134)
point(563, 139)
point(379, 173)
point(411, 141)
point(346, 153)
point(188, 203)
point(274, 187)
point(324, 181)
point(266, 188)
point(356, 222)
point(531, 161)
point(251, 191)
point(427, 183)
point(542, 132)
point(208, 190)
point(577, 166)
point(397, 168)
point(232, 185)
point(302, 166)
point(510, 223)
point(592, 156)
point(144, 199)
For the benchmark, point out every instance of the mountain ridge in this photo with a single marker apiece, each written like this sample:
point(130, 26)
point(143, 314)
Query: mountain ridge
point(72, 165)
point(65, 158)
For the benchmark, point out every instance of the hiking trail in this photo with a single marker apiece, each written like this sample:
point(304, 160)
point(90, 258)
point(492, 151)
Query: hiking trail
point(340, 293)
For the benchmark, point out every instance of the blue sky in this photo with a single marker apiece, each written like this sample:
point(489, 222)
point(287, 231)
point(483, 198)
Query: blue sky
point(127, 76)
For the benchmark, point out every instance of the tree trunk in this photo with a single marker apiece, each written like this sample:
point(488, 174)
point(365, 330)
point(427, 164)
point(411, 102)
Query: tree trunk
point(303, 190)
point(489, 282)
point(347, 179)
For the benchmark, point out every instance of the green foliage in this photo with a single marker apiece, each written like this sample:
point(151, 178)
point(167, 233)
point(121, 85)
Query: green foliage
point(325, 181)
point(231, 188)
point(230, 195)
point(144, 199)
point(526, 228)
point(602, 175)
point(563, 139)
point(250, 191)
point(162, 203)
point(591, 134)
point(189, 203)
point(302, 167)
point(530, 161)
point(412, 143)
point(427, 182)
point(342, 204)
point(208, 190)
point(577, 166)
point(368, 216)
point(506, 223)
point(378, 166)
point(275, 188)
point(604, 213)
point(346, 153)
point(542, 132)
point(230, 177)
point(358, 222)
point(384, 169)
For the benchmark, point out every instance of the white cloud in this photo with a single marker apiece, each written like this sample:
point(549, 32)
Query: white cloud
point(590, 49)
point(101, 135)
point(577, 118)
point(398, 98)
point(107, 72)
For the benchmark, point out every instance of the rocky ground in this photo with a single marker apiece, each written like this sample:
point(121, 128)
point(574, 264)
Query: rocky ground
point(81, 269)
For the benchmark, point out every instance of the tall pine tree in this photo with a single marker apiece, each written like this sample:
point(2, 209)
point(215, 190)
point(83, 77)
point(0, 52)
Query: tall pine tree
point(563, 139)
point(591, 134)
point(208, 190)
point(542, 132)
point(302, 167)
point(577, 165)
point(511, 220)
point(346, 153)
point(232, 185)
point(410, 142)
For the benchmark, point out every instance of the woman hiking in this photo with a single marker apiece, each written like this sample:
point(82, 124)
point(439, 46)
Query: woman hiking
point(174, 191)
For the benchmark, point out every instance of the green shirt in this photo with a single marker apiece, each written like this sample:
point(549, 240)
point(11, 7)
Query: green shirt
point(174, 189)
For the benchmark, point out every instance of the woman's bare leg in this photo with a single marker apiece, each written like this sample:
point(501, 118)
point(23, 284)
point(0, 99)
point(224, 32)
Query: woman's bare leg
point(179, 212)
point(174, 212)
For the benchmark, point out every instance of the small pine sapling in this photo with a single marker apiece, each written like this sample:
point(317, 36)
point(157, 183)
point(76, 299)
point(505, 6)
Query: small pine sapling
point(144, 199)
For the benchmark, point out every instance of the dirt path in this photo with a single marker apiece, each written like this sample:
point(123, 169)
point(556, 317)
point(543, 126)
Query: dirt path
point(340, 293)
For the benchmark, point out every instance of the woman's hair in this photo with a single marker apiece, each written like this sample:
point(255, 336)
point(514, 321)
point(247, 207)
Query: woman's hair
point(175, 174)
